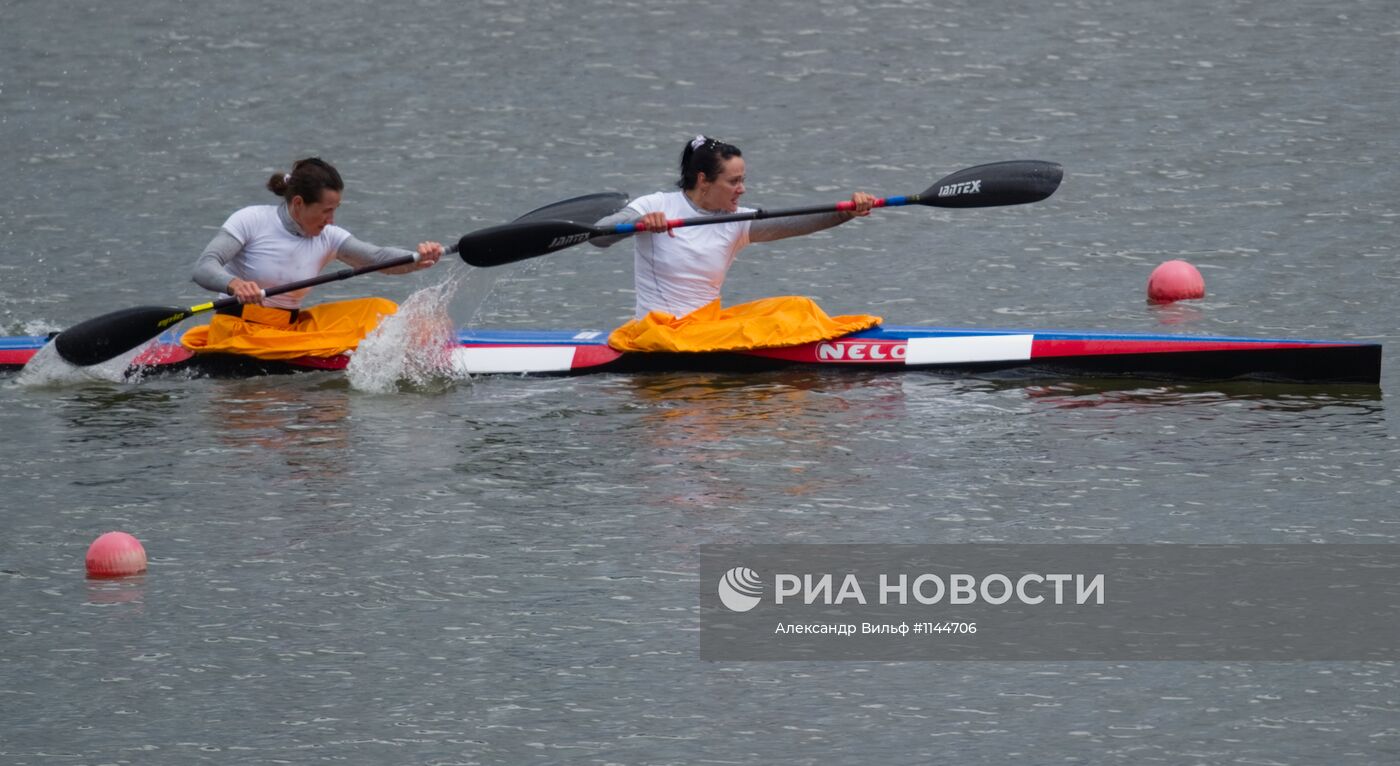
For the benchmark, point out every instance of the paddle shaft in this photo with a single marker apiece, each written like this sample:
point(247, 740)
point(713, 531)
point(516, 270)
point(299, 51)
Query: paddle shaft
point(334, 276)
point(1017, 182)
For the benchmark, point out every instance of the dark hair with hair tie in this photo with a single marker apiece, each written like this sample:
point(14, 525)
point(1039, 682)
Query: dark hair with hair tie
point(704, 155)
point(309, 177)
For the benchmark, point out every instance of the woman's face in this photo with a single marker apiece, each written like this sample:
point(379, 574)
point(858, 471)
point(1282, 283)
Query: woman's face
point(723, 191)
point(316, 216)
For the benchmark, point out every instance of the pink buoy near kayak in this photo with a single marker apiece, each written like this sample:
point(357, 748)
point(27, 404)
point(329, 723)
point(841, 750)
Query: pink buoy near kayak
point(115, 554)
point(1175, 281)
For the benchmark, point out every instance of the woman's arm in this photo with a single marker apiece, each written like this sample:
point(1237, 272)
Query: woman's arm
point(209, 271)
point(782, 228)
point(759, 231)
point(358, 253)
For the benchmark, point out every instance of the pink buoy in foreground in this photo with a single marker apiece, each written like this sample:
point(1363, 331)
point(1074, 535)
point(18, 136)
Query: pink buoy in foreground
point(115, 554)
point(1175, 281)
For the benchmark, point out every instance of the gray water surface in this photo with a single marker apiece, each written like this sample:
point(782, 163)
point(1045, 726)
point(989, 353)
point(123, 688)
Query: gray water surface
point(503, 570)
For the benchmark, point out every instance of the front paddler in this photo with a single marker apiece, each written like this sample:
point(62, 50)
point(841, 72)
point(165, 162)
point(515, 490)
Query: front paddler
point(679, 273)
point(267, 245)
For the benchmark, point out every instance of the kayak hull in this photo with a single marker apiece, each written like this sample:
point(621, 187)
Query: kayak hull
point(1029, 353)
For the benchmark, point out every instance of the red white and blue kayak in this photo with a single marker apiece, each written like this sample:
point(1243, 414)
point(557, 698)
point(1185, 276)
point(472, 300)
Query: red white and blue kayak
point(956, 351)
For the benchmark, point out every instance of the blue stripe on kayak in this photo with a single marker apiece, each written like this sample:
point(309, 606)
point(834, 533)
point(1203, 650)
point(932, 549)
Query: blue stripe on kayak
point(22, 342)
point(35, 342)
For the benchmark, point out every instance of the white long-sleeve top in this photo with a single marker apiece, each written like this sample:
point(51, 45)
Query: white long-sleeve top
point(680, 274)
point(263, 244)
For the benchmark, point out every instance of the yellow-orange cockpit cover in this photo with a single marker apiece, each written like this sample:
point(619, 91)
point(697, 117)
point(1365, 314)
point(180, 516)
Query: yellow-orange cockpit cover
point(786, 320)
point(266, 333)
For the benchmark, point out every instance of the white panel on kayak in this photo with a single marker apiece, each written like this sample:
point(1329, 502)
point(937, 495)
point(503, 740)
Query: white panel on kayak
point(513, 359)
point(968, 348)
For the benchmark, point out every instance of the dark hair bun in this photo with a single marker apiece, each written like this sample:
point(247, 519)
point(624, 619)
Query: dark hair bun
point(278, 183)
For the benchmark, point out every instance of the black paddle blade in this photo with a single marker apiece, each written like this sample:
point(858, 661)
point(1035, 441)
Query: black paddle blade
point(540, 231)
point(588, 209)
point(110, 335)
point(511, 242)
point(1016, 182)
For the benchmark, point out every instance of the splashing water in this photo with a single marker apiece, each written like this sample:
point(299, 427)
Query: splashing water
point(47, 368)
point(411, 349)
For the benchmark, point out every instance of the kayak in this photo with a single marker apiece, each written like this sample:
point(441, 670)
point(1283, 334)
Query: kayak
point(887, 348)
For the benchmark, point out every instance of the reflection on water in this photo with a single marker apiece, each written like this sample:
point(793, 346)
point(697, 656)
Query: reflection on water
point(122, 415)
point(119, 590)
point(303, 428)
point(781, 427)
point(1178, 313)
point(1263, 396)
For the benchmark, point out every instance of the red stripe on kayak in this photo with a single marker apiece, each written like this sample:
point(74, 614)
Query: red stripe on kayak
point(593, 356)
point(163, 354)
point(17, 357)
point(337, 362)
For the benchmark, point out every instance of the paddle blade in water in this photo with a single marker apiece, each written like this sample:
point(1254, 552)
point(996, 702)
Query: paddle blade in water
point(513, 242)
point(588, 209)
point(110, 335)
point(1017, 182)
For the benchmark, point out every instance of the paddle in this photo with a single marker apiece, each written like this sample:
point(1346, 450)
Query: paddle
point(105, 337)
point(1000, 183)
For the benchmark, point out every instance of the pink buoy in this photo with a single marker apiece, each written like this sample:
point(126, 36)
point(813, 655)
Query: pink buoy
point(115, 554)
point(1175, 281)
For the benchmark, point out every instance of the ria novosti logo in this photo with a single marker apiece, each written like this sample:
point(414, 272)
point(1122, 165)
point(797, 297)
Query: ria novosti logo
point(740, 589)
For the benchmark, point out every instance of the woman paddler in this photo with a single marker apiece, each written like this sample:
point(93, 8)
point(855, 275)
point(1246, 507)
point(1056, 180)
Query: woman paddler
point(679, 275)
point(268, 245)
